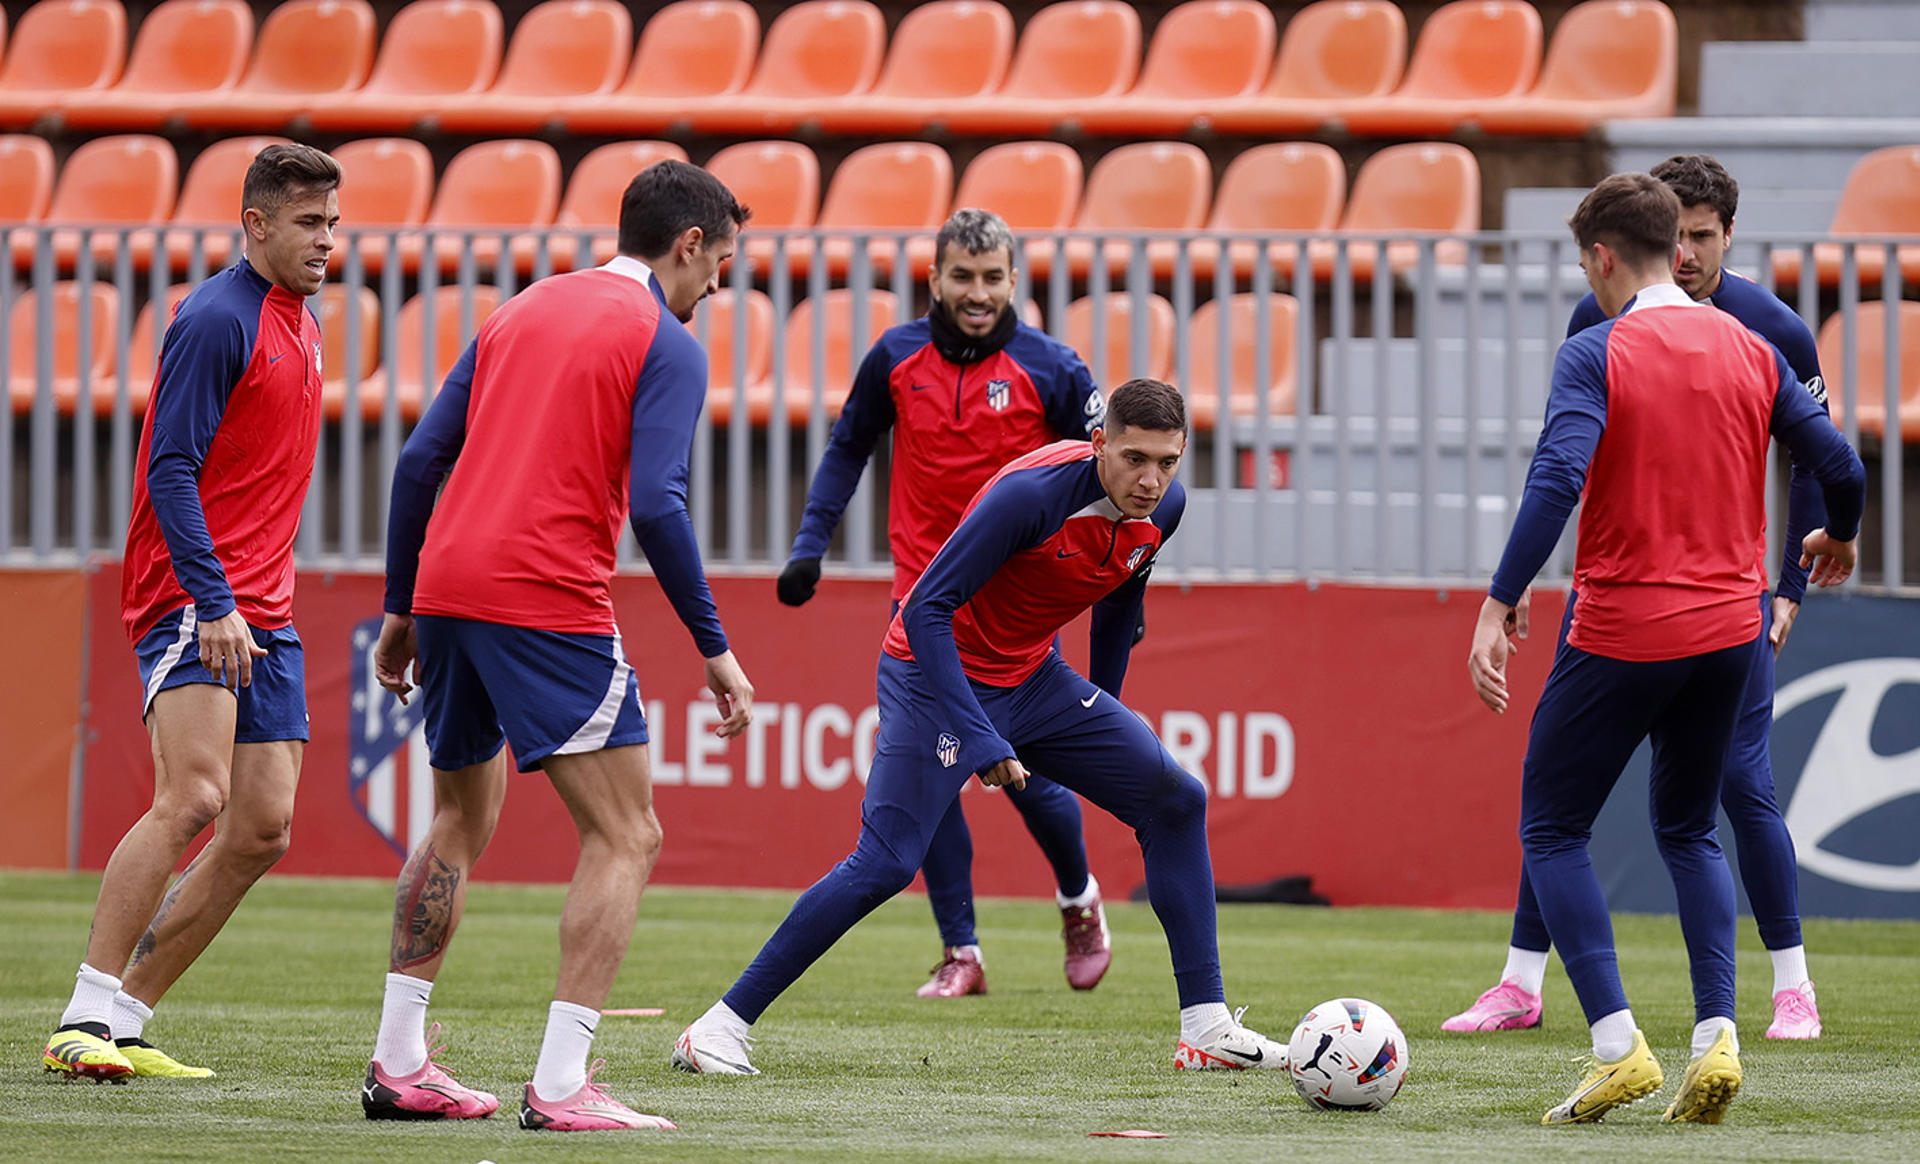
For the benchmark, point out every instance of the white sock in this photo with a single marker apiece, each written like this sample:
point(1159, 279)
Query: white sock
point(722, 1015)
point(1789, 968)
point(562, 1069)
point(1085, 898)
point(963, 953)
point(130, 1016)
point(1613, 1036)
point(1526, 969)
point(401, 1046)
point(92, 1000)
point(1707, 1030)
point(1200, 1025)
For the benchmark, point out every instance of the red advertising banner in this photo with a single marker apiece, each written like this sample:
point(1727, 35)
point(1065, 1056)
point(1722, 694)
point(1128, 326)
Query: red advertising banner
point(1333, 726)
point(41, 621)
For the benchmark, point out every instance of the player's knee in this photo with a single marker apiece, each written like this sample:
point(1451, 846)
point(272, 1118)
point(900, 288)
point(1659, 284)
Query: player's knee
point(190, 807)
point(1181, 798)
point(264, 844)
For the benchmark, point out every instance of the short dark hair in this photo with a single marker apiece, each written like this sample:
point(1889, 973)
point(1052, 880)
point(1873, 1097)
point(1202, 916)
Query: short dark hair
point(976, 232)
point(1635, 215)
point(285, 171)
point(667, 199)
point(1699, 179)
point(1150, 404)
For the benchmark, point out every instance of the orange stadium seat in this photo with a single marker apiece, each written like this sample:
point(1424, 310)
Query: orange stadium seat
point(209, 205)
point(1608, 59)
point(690, 51)
point(1332, 53)
point(1472, 55)
point(1071, 55)
point(1034, 185)
point(310, 53)
point(185, 51)
point(947, 51)
point(592, 204)
point(817, 51)
point(794, 388)
point(432, 49)
point(494, 184)
point(1205, 387)
point(1429, 187)
point(61, 47)
point(26, 177)
point(1148, 186)
point(780, 182)
point(1870, 338)
point(1114, 363)
point(103, 308)
point(332, 314)
point(143, 346)
point(385, 182)
point(722, 317)
point(893, 186)
point(125, 180)
point(1292, 187)
point(1202, 52)
point(1880, 200)
point(560, 49)
point(412, 349)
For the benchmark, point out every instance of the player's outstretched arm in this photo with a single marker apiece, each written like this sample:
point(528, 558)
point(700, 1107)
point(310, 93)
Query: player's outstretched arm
point(424, 463)
point(732, 692)
point(864, 419)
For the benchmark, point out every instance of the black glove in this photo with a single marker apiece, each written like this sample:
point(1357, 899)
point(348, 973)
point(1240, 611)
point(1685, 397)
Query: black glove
point(798, 580)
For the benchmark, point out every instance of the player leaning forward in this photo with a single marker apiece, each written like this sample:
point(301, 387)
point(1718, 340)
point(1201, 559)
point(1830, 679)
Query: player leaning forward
point(572, 410)
point(1658, 421)
point(970, 683)
point(226, 453)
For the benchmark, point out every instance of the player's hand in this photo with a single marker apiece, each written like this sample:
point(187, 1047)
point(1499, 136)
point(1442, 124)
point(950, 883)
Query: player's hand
point(1008, 772)
point(227, 650)
point(798, 580)
point(396, 651)
point(1517, 624)
point(732, 692)
point(1487, 661)
point(1828, 562)
point(1785, 610)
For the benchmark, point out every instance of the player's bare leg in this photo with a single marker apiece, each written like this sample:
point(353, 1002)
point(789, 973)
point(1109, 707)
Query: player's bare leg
point(190, 729)
point(609, 794)
point(403, 1082)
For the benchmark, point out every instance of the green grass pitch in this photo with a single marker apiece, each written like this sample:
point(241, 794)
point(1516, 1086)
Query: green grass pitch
point(285, 1004)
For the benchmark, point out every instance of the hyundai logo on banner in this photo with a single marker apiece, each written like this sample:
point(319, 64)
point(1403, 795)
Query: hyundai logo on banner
point(388, 777)
point(1844, 778)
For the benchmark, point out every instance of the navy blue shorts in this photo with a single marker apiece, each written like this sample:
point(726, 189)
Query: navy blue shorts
point(483, 684)
point(272, 707)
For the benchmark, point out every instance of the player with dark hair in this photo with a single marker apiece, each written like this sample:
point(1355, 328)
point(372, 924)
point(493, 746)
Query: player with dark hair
point(1658, 423)
point(572, 410)
point(226, 451)
point(1709, 198)
point(971, 683)
point(965, 389)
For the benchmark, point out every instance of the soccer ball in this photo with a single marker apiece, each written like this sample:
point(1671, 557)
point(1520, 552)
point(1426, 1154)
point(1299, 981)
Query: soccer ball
point(1347, 1055)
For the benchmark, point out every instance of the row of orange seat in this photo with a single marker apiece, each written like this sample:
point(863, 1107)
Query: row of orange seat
point(1223, 65)
point(128, 181)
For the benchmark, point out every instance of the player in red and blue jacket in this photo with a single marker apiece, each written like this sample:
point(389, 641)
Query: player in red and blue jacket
point(964, 389)
point(226, 452)
point(1658, 424)
point(971, 683)
point(1768, 869)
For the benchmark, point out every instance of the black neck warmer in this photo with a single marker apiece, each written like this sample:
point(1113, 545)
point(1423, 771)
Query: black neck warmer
point(957, 347)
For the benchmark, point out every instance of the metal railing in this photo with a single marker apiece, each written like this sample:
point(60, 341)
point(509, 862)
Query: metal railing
point(1419, 369)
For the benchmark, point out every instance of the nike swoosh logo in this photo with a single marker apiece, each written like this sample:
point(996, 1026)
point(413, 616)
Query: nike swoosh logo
point(1068, 554)
point(1256, 1057)
point(276, 359)
point(921, 387)
point(1088, 701)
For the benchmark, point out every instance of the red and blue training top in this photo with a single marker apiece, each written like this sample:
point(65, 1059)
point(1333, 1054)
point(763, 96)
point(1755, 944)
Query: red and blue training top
point(1040, 543)
point(954, 426)
point(1659, 421)
point(573, 409)
point(226, 453)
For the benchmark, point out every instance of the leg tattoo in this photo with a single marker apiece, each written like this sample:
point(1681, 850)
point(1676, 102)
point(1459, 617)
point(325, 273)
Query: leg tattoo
point(145, 946)
point(423, 909)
